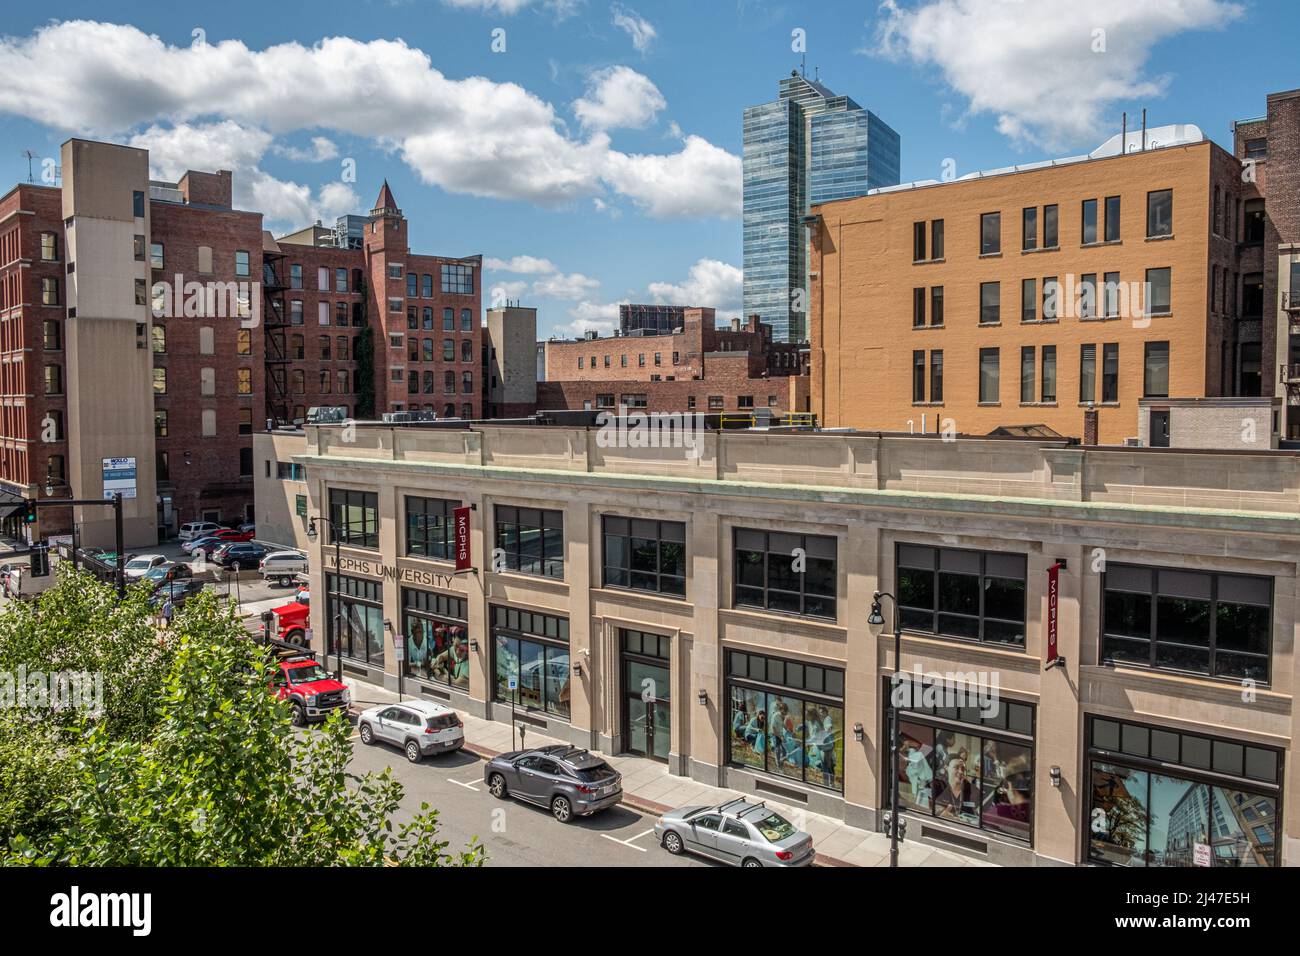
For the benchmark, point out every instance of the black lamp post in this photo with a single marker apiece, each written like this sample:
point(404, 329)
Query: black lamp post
point(876, 621)
point(312, 534)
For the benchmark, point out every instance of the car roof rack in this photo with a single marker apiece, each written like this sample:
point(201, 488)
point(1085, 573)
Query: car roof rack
point(731, 803)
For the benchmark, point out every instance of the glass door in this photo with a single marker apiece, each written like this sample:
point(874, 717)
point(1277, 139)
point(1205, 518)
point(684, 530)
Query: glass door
point(647, 695)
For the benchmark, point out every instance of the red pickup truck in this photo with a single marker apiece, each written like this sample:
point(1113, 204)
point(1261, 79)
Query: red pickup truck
point(289, 623)
point(311, 690)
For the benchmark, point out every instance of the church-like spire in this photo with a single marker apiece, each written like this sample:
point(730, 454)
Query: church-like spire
point(385, 205)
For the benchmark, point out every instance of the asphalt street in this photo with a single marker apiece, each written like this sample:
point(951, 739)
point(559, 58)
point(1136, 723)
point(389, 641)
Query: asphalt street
point(514, 833)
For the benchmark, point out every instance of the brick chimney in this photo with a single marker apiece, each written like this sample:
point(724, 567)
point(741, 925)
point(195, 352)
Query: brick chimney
point(1090, 426)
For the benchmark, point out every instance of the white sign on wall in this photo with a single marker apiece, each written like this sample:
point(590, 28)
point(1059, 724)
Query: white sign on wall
point(119, 476)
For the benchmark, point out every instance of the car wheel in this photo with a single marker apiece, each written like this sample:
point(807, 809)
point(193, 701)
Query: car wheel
point(367, 735)
point(413, 751)
point(299, 716)
point(497, 786)
point(562, 809)
point(297, 636)
point(673, 843)
point(285, 580)
point(750, 861)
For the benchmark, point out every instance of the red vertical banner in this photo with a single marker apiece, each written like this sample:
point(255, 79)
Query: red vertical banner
point(1053, 605)
point(463, 558)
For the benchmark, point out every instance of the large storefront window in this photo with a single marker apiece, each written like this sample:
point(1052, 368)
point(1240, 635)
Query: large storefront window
point(1162, 797)
point(794, 573)
point(430, 528)
point(644, 555)
point(534, 648)
point(786, 718)
point(973, 595)
point(1197, 621)
point(354, 518)
point(437, 645)
point(354, 617)
point(965, 764)
point(531, 540)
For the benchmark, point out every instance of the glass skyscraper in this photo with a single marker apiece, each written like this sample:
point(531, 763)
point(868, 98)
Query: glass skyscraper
point(808, 146)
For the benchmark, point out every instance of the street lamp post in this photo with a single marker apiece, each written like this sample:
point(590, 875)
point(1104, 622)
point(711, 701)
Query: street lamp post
point(876, 621)
point(312, 534)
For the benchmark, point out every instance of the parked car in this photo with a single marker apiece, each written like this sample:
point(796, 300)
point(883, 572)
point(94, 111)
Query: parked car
point(283, 567)
point(138, 565)
point(178, 592)
point(165, 573)
point(198, 529)
point(199, 545)
point(419, 727)
point(250, 528)
point(566, 779)
point(244, 553)
point(740, 832)
point(311, 690)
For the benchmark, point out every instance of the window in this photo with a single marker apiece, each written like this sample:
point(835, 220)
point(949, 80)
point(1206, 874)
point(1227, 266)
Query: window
point(973, 595)
point(295, 312)
point(622, 360)
point(467, 351)
point(989, 375)
point(354, 618)
point(1028, 300)
point(1087, 373)
point(1049, 374)
point(246, 421)
point(637, 400)
point(341, 280)
point(533, 649)
point(1089, 222)
point(990, 302)
point(458, 279)
point(342, 378)
point(295, 276)
point(341, 348)
point(430, 527)
point(640, 360)
point(764, 568)
point(745, 401)
point(426, 319)
point(918, 376)
point(395, 306)
point(965, 767)
point(137, 204)
point(207, 381)
point(354, 518)
point(437, 648)
point(448, 350)
point(412, 285)
point(141, 292)
point(1027, 368)
point(936, 305)
point(531, 540)
point(1112, 219)
point(208, 423)
point(54, 380)
point(644, 555)
point(137, 246)
point(1155, 370)
point(156, 258)
point(1051, 299)
point(427, 350)
point(52, 335)
point(918, 308)
point(1029, 228)
point(467, 383)
point(936, 376)
point(298, 382)
point(1110, 372)
point(162, 470)
point(243, 342)
point(448, 383)
point(1050, 240)
point(1256, 148)
point(786, 717)
point(241, 263)
point(325, 349)
point(467, 323)
point(341, 314)
point(1157, 291)
point(990, 233)
point(658, 359)
point(1215, 624)
point(1254, 221)
point(243, 381)
point(1088, 296)
point(1111, 292)
point(50, 291)
point(918, 242)
point(1160, 213)
point(159, 381)
point(50, 247)
point(54, 469)
point(936, 239)
point(297, 347)
point(715, 402)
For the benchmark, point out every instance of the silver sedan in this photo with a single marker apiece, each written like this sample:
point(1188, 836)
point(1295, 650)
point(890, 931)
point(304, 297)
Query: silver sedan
point(740, 833)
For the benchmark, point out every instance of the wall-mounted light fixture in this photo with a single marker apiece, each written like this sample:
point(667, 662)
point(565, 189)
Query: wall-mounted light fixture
point(473, 645)
point(577, 668)
point(1055, 774)
point(703, 698)
point(858, 733)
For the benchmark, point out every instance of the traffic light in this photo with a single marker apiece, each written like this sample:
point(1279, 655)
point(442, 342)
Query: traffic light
point(39, 558)
point(29, 514)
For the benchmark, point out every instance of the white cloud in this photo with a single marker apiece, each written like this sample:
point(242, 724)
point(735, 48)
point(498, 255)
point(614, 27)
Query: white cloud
point(506, 8)
point(599, 317)
point(573, 286)
point(700, 180)
point(1033, 65)
point(634, 25)
point(521, 265)
point(618, 97)
point(711, 283)
point(473, 136)
point(500, 291)
point(322, 149)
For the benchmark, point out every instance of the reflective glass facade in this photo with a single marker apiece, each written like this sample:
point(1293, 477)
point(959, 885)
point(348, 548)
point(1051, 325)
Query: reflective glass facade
point(806, 147)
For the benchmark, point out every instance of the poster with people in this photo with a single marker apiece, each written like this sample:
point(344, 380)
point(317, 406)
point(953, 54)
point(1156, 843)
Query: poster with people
point(437, 651)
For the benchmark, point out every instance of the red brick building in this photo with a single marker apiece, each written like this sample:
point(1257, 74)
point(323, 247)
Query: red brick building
point(365, 324)
point(701, 368)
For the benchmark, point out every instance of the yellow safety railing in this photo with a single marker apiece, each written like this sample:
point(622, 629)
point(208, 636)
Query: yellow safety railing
point(736, 421)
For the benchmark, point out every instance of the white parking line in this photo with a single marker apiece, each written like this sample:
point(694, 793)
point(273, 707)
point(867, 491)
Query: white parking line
point(628, 841)
point(467, 786)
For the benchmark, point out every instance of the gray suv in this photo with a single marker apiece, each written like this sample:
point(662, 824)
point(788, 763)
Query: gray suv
point(566, 779)
point(739, 832)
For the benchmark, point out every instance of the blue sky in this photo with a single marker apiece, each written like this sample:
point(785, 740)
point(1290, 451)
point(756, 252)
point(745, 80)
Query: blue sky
point(596, 158)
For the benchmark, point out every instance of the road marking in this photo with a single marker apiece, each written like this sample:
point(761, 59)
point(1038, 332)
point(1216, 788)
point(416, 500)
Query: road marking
point(467, 786)
point(628, 841)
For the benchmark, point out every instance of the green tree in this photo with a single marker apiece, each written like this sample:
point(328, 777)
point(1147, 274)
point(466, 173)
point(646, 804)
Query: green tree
point(221, 779)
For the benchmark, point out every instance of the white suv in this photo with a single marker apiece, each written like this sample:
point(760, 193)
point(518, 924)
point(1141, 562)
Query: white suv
point(282, 567)
point(197, 529)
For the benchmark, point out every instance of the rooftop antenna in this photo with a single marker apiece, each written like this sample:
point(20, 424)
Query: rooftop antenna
point(1144, 129)
point(803, 65)
point(30, 156)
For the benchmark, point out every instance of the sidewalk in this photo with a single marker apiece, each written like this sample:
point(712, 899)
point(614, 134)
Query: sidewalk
point(650, 788)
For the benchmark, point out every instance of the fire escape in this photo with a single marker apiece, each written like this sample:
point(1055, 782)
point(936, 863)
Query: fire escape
point(1290, 372)
point(277, 354)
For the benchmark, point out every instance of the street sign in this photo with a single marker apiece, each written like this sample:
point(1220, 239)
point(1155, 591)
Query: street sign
point(399, 647)
point(119, 477)
point(512, 683)
point(1053, 602)
point(300, 505)
point(1201, 854)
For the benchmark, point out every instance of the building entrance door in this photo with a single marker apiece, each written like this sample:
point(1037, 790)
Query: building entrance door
point(647, 695)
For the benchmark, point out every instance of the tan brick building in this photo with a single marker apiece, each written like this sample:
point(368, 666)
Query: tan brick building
point(1024, 296)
